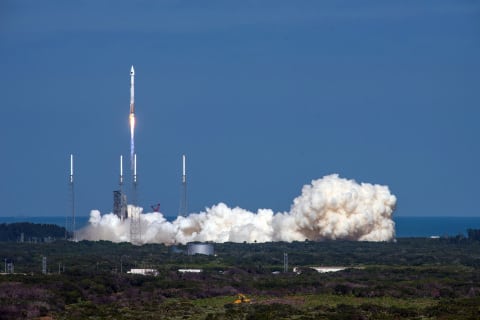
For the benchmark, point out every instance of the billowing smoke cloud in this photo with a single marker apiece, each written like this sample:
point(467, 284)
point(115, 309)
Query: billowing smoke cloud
point(328, 208)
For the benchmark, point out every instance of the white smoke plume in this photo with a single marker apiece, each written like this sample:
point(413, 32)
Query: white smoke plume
point(328, 208)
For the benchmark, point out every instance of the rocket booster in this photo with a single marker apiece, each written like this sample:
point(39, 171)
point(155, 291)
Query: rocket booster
point(132, 91)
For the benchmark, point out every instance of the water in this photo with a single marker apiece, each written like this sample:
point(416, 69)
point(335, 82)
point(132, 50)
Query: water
point(434, 226)
point(405, 226)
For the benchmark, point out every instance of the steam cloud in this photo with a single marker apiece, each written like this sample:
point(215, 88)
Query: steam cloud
point(328, 208)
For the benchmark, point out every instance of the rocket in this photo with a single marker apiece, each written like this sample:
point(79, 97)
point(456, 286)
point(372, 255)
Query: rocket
point(132, 116)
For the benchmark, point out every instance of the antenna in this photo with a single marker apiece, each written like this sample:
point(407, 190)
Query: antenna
point(285, 262)
point(183, 192)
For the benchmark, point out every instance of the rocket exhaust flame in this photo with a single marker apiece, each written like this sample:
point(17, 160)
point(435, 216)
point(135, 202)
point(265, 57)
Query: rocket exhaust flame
point(132, 138)
point(328, 208)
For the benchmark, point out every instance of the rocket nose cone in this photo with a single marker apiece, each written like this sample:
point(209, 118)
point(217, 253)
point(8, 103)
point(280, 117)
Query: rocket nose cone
point(132, 71)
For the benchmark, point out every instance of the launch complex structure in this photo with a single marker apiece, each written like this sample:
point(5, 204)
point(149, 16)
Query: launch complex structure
point(120, 205)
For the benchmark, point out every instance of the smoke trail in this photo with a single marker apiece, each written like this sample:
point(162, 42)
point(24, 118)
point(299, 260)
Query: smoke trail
point(328, 208)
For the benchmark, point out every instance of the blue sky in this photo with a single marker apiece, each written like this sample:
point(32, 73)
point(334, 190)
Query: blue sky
point(262, 96)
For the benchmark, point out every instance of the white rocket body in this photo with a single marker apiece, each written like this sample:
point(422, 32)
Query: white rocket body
point(132, 90)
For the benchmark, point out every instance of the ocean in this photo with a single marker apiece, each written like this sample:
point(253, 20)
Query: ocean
point(404, 226)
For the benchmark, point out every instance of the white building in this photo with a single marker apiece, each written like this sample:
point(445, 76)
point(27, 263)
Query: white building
point(189, 270)
point(144, 272)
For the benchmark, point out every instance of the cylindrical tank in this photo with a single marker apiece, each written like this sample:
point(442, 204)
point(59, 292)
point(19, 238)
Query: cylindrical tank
point(200, 248)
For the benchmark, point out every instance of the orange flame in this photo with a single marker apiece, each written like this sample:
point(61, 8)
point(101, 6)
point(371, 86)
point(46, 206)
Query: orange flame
point(132, 123)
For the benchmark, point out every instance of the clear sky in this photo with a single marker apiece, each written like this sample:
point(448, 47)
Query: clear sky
point(262, 96)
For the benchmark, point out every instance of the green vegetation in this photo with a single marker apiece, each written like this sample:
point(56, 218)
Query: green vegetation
point(413, 278)
point(30, 232)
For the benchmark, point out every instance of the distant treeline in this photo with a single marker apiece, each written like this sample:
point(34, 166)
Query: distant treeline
point(30, 232)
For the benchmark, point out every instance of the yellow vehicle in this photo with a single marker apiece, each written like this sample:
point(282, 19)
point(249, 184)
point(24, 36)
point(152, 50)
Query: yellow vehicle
point(241, 298)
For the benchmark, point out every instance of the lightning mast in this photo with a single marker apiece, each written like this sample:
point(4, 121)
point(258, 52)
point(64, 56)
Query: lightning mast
point(123, 196)
point(134, 180)
point(121, 173)
point(183, 192)
point(72, 198)
point(135, 227)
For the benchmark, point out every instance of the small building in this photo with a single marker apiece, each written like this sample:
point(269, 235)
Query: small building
point(328, 269)
point(300, 270)
point(190, 270)
point(144, 272)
